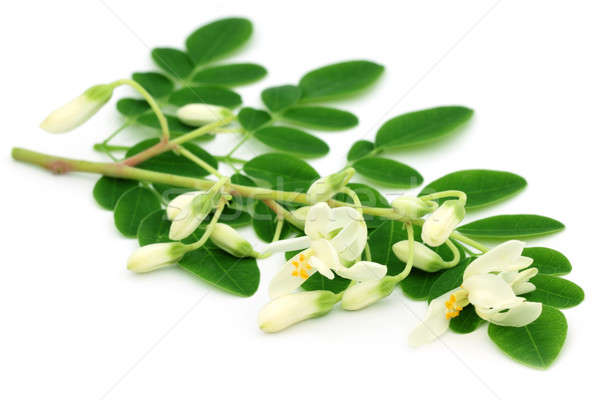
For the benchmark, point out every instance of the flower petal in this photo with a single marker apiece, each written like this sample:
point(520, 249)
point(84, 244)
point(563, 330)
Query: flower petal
point(363, 271)
point(286, 280)
point(318, 219)
point(434, 324)
point(505, 257)
point(321, 267)
point(489, 291)
point(351, 240)
point(520, 315)
point(343, 216)
point(297, 243)
point(179, 203)
point(324, 251)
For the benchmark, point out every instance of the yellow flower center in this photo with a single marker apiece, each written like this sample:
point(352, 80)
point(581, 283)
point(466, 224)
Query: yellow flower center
point(301, 266)
point(453, 309)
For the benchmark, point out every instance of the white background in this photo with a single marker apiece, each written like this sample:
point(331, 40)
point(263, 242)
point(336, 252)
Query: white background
point(75, 324)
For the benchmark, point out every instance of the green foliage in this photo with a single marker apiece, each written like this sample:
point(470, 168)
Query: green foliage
point(319, 282)
point(467, 321)
point(512, 226)
point(281, 171)
point(205, 94)
point(278, 98)
point(418, 283)
point(548, 261)
point(132, 107)
point(264, 222)
point(132, 207)
point(245, 204)
point(449, 280)
point(215, 40)
point(173, 61)
point(324, 118)
point(154, 228)
point(292, 140)
point(369, 197)
point(360, 149)
point(107, 190)
point(155, 83)
point(536, 344)
point(482, 187)
point(338, 80)
point(230, 74)
point(388, 172)
point(252, 119)
point(554, 291)
point(421, 126)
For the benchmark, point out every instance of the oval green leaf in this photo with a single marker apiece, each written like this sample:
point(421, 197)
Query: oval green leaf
point(155, 83)
point(264, 222)
point(132, 107)
point(360, 149)
point(324, 118)
point(278, 98)
point(482, 187)
point(205, 94)
point(107, 190)
point(421, 126)
point(512, 226)
point(554, 291)
point(319, 282)
point(536, 344)
point(173, 61)
point(252, 119)
point(388, 172)
point(292, 140)
point(418, 283)
point(467, 321)
point(548, 261)
point(132, 207)
point(215, 40)
point(230, 75)
point(282, 171)
point(337, 80)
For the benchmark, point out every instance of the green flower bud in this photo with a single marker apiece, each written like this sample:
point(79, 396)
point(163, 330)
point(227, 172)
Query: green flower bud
point(366, 293)
point(412, 207)
point(202, 114)
point(231, 241)
point(439, 226)
point(194, 212)
point(325, 188)
point(423, 257)
point(155, 256)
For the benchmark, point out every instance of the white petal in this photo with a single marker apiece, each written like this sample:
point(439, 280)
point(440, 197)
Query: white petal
point(434, 324)
point(298, 243)
point(179, 203)
point(351, 241)
point(363, 271)
point(489, 291)
point(71, 115)
point(285, 281)
point(321, 267)
point(318, 220)
point(342, 216)
point(519, 315)
point(505, 257)
point(524, 287)
point(325, 251)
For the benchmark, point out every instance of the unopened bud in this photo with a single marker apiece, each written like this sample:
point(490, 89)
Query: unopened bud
point(155, 256)
point(325, 188)
point(412, 207)
point(179, 203)
point(231, 241)
point(201, 114)
point(290, 309)
point(78, 110)
point(423, 257)
point(441, 223)
point(193, 213)
point(366, 293)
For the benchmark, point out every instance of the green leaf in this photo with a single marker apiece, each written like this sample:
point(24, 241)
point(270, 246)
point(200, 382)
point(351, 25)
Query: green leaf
point(245, 204)
point(418, 283)
point(107, 190)
point(230, 75)
point(318, 282)
point(282, 171)
point(360, 149)
point(278, 98)
point(234, 217)
point(388, 172)
point(368, 196)
point(205, 94)
point(154, 228)
point(536, 344)
point(132, 207)
point(337, 80)
point(554, 291)
point(132, 107)
point(155, 83)
point(235, 275)
point(292, 140)
point(173, 61)
point(467, 321)
point(512, 226)
point(264, 221)
point(448, 280)
point(176, 127)
point(324, 118)
point(252, 119)
point(482, 187)
point(215, 40)
point(548, 261)
point(421, 126)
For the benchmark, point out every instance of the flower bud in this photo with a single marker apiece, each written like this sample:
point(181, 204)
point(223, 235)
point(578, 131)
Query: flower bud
point(412, 207)
point(201, 114)
point(423, 257)
point(193, 213)
point(231, 241)
point(78, 110)
point(439, 225)
point(292, 308)
point(179, 203)
point(155, 256)
point(325, 188)
point(366, 293)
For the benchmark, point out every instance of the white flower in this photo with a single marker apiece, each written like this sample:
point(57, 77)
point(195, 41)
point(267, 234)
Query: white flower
point(155, 256)
point(325, 188)
point(193, 209)
point(423, 257)
point(491, 284)
point(201, 114)
point(364, 294)
point(179, 203)
point(440, 224)
point(412, 207)
point(78, 110)
point(228, 239)
point(293, 308)
point(335, 239)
